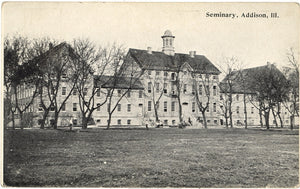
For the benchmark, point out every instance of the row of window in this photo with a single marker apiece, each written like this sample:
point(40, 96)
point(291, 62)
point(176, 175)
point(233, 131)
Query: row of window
point(165, 90)
point(173, 75)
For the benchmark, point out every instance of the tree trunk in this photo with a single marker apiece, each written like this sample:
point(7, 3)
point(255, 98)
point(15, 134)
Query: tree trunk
point(267, 113)
point(180, 109)
point(274, 116)
point(156, 114)
point(84, 122)
point(45, 115)
point(204, 119)
point(245, 112)
point(260, 118)
point(279, 116)
point(21, 120)
point(292, 121)
point(13, 119)
point(108, 121)
point(230, 110)
point(226, 122)
point(55, 120)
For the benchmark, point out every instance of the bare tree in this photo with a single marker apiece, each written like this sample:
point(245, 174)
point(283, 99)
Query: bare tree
point(157, 88)
point(229, 66)
point(199, 83)
point(270, 86)
point(292, 74)
point(92, 60)
point(123, 80)
point(18, 70)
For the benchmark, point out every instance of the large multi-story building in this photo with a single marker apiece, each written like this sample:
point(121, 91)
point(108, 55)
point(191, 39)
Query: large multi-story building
point(167, 75)
point(167, 82)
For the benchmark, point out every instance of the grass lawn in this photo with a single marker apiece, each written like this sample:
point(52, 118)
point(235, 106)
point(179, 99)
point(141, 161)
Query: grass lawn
point(155, 158)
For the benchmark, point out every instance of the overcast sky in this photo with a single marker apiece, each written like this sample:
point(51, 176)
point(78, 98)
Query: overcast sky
point(139, 25)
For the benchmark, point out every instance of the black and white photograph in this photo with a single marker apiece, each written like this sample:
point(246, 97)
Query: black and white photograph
point(150, 95)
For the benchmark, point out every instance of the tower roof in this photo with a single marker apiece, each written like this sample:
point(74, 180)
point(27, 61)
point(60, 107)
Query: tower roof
point(168, 33)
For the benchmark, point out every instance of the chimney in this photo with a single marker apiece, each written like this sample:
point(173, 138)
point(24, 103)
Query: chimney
point(192, 54)
point(269, 64)
point(149, 50)
point(50, 45)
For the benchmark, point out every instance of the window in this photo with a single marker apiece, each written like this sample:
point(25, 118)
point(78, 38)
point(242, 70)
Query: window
point(165, 106)
point(157, 87)
point(208, 121)
point(165, 88)
point(52, 91)
point(173, 106)
point(214, 90)
point(206, 76)
point(98, 120)
point(215, 107)
point(85, 91)
point(63, 91)
point(200, 89)
point(74, 107)
point(149, 106)
point(237, 97)
point(40, 90)
point(64, 76)
point(149, 87)
point(98, 92)
point(173, 122)
point(215, 122)
point(193, 106)
point(193, 89)
point(207, 110)
point(40, 107)
point(221, 97)
point(128, 122)
point(119, 92)
point(237, 109)
point(119, 122)
point(74, 91)
point(149, 72)
point(63, 107)
point(166, 122)
point(157, 73)
point(52, 108)
point(140, 94)
point(173, 76)
point(74, 122)
point(184, 88)
point(128, 107)
point(215, 77)
point(98, 107)
point(119, 107)
point(128, 94)
point(167, 42)
point(252, 110)
point(166, 74)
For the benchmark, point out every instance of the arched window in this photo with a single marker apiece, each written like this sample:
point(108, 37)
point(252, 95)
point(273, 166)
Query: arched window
point(167, 42)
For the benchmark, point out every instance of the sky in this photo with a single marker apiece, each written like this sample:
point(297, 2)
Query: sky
point(253, 41)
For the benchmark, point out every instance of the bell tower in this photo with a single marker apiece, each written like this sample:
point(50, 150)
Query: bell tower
point(168, 42)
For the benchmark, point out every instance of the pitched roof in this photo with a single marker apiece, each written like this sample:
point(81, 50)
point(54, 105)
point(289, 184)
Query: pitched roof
point(160, 61)
point(242, 80)
point(54, 51)
point(106, 81)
